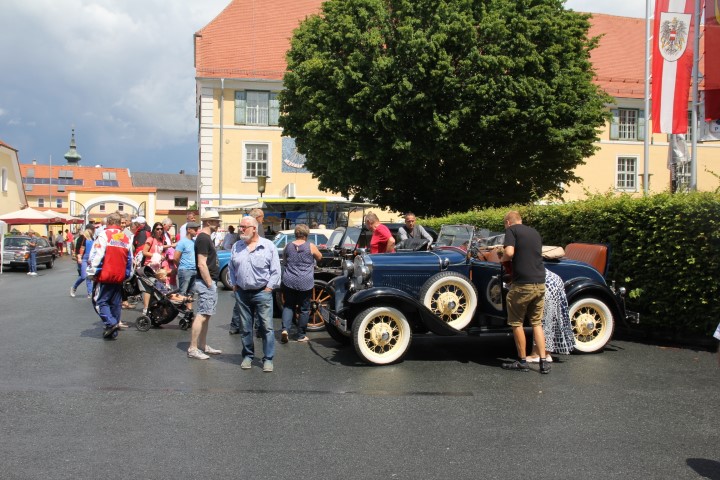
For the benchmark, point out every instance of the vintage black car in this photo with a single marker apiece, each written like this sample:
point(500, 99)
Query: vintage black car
point(381, 300)
point(16, 255)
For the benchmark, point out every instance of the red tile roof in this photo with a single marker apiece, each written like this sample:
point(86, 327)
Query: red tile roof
point(619, 60)
point(249, 38)
point(88, 174)
point(8, 146)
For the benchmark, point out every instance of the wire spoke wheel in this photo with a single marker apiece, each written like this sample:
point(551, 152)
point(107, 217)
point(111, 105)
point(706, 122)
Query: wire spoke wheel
point(381, 335)
point(592, 323)
point(451, 297)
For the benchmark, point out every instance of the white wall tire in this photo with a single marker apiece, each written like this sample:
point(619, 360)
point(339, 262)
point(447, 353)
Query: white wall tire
point(381, 335)
point(451, 297)
point(592, 323)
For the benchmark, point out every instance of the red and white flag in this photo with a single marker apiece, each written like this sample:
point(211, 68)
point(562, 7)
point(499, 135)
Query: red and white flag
point(711, 57)
point(672, 65)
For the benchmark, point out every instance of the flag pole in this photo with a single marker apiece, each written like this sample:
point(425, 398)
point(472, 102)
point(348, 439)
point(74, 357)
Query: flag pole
point(695, 95)
point(646, 144)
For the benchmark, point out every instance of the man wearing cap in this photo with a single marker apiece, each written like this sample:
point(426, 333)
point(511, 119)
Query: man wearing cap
point(208, 272)
point(184, 258)
point(140, 230)
point(190, 216)
point(110, 263)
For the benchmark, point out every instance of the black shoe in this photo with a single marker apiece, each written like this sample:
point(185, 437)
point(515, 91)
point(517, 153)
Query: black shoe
point(516, 365)
point(234, 331)
point(544, 366)
point(111, 332)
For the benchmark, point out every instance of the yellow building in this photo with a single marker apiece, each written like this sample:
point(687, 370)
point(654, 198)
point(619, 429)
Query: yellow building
point(12, 195)
point(240, 63)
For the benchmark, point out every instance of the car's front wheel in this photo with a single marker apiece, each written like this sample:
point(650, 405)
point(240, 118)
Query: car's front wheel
point(592, 323)
point(225, 278)
point(381, 335)
point(451, 297)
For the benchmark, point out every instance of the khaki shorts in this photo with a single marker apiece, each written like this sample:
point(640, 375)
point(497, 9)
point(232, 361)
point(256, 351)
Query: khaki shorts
point(526, 301)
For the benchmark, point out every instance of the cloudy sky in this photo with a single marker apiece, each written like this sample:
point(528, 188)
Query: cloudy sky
point(121, 72)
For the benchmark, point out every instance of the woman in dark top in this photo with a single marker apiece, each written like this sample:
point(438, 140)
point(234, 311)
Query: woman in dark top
point(297, 281)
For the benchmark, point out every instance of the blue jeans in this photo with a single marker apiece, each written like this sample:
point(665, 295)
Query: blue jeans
point(256, 304)
point(82, 272)
point(293, 298)
point(186, 281)
point(107, 300)
point(33, 261)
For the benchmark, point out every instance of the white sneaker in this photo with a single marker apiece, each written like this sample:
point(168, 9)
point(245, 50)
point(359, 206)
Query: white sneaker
point(195, 353)
point(72, 292)
point(211, 351)
point(33, 273)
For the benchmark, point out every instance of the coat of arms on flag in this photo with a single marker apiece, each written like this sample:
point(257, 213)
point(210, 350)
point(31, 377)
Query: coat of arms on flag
point(673, 38)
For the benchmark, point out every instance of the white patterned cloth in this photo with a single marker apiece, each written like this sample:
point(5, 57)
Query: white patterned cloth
point(717, 332)
point(559, 336)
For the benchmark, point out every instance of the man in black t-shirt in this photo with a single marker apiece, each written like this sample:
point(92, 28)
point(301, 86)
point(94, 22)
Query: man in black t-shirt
point(526, 298)
point(208, 273)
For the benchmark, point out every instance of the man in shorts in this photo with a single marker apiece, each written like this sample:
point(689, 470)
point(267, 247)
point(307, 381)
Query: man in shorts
point(208, 273)
point(526, 298)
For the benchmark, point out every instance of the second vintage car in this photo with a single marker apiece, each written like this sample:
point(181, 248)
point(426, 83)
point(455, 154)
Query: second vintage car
point(380, 301)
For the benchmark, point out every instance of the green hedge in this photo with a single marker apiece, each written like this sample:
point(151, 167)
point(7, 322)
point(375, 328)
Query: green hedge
point(665, 249)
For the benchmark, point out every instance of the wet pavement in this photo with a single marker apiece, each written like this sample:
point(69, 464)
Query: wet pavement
point(75, 406)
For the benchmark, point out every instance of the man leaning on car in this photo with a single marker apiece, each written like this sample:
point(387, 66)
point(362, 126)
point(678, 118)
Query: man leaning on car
point(526, 298)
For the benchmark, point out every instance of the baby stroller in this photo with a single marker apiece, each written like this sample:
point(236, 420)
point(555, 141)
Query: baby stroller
point(165, 303)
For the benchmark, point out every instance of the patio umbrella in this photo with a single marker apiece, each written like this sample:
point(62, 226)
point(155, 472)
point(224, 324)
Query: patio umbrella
point(63, 216)
point(30, 216)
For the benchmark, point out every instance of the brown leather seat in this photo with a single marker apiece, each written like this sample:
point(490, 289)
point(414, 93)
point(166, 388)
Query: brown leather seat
point(594, 254)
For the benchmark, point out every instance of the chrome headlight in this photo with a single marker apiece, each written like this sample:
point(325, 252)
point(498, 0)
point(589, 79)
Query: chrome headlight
point(348, 267)
point(362, 272)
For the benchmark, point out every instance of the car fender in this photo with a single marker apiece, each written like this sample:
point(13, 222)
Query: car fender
point(585, 287)
point(404, 302)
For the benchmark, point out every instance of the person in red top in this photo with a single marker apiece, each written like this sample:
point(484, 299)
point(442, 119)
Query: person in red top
point(382, 240)
point(110, 264)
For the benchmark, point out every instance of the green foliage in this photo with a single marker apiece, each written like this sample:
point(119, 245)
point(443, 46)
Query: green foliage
point(664, 248)
point(398, 101)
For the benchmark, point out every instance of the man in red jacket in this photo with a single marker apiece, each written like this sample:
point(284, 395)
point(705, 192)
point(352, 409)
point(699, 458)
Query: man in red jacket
point(110, 264)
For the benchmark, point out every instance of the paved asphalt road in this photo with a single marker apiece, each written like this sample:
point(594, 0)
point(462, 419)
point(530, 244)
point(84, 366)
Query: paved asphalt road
point(75, 406)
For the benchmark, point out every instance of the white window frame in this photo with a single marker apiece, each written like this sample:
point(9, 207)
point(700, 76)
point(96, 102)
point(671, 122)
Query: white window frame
point(59, 203)
point(4, 180)
point(102, 207)
point(623, 128)
point(257, 108)
point(41, 202)
point(246, 174)
point(626, 180)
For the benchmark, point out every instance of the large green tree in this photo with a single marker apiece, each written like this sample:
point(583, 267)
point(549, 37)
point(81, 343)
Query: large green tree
point(442, 105)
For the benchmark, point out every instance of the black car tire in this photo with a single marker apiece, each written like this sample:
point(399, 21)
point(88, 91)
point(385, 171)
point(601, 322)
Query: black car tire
point(381, 335)
point(51, 263)
point(592, 322)
point(225, 278)
point(452, 297)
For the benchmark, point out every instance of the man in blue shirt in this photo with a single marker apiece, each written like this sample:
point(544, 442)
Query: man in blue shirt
point(185, 260)
point(255, 273)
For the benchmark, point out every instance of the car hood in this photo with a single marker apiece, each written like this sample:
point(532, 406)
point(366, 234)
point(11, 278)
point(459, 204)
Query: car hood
point(452, 256)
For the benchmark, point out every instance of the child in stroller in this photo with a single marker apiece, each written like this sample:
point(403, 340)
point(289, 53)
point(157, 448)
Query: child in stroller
point(165, 304)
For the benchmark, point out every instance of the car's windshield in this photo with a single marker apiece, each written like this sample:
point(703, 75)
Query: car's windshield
point(16, 242)
point(454, 236)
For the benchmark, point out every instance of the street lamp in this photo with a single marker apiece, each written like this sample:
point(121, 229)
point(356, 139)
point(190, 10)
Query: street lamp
point(261, 182)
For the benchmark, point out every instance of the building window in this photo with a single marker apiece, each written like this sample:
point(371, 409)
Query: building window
point(61, 188)
point(31, 172)
point(102, 207)
point(626, 177)
point(627, 124)
point(41, 202)
point(59, 202)
point(254, 107)
point(28, 187)
point(181, 201)
point(66, 174)
point(4, 180)
point(256, 160)
point(121, 207)
point(109, 176)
